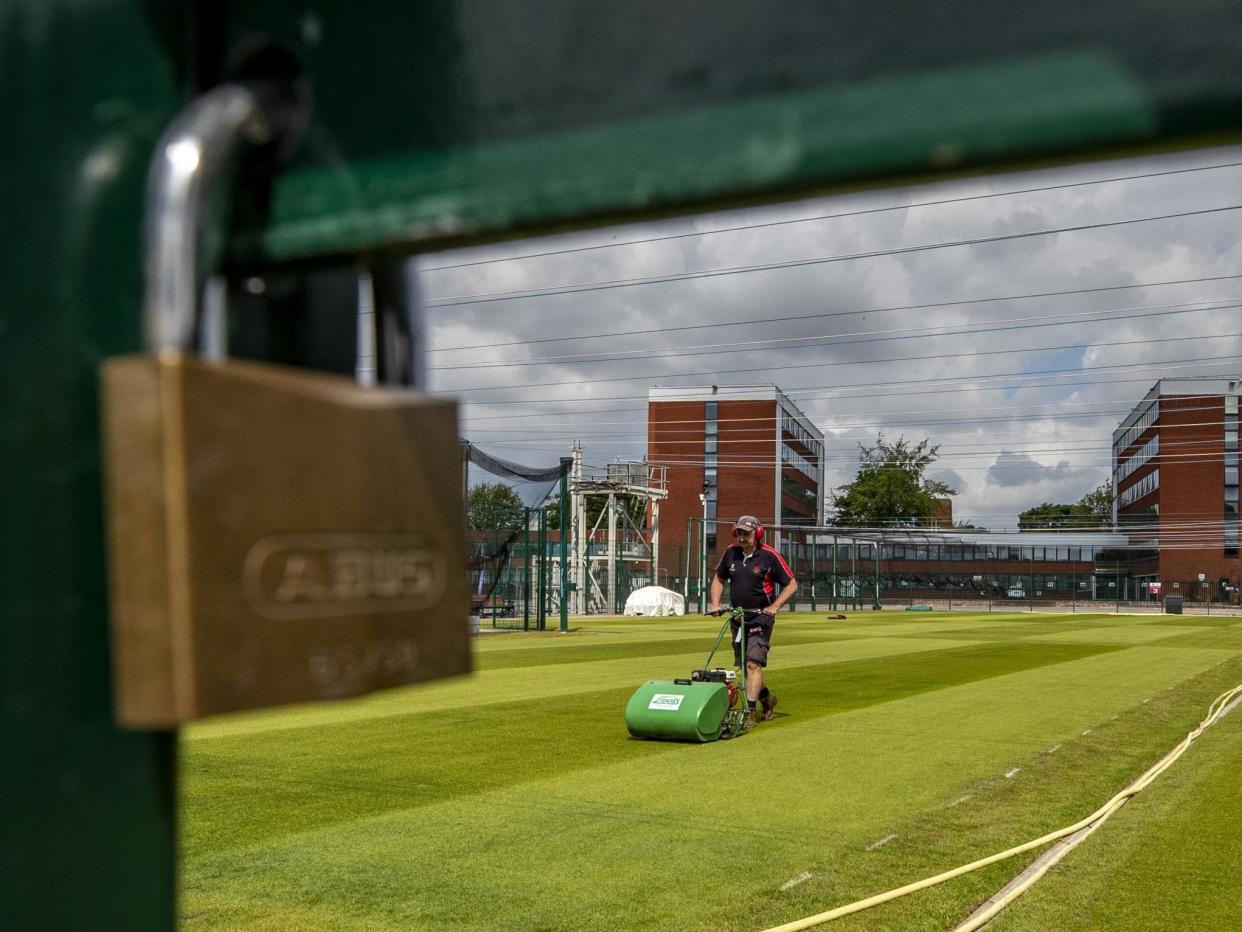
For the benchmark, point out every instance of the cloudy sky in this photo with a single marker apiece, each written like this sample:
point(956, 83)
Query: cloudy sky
point(940, 311)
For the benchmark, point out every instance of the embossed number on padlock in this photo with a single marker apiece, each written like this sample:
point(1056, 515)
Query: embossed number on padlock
point(275, 535)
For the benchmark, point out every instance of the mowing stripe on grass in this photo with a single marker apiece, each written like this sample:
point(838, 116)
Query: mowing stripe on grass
point(1135, 875)
point(575, 853)
point(293, 779)
point(501, 687)
point(588, 653)
point(590, 831)
point(1054, 791)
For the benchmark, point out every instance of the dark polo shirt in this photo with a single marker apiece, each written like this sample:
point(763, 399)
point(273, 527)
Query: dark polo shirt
point(753, 580)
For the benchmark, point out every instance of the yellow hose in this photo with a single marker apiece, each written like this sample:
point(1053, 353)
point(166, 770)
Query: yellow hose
point(1094, 820)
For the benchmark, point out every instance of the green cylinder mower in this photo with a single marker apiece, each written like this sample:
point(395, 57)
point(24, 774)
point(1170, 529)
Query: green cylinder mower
point(710, 704)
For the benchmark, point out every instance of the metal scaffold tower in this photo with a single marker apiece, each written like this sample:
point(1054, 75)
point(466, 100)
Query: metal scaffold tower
point(596, 563)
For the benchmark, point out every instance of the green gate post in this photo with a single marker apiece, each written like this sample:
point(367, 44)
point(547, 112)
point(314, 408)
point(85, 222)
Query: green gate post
point(88, 816)
point(566, 463)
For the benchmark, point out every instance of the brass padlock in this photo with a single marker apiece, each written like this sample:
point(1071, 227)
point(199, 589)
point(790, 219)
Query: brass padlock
point(275, 535)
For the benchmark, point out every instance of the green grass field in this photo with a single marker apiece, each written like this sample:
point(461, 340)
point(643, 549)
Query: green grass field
point(904, 745)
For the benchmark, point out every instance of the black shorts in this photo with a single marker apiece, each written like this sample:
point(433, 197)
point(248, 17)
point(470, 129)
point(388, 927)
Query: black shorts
point(758, 639)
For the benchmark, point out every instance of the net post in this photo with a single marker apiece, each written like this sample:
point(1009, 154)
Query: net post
point(541, 611)
point(876, 607)
point(527, 588)
point(566, 463)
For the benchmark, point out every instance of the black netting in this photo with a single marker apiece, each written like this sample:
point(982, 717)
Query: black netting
point(508, 470)
point(506, 561)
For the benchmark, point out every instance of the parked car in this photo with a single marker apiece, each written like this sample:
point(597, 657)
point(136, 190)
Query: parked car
point(1016, 593)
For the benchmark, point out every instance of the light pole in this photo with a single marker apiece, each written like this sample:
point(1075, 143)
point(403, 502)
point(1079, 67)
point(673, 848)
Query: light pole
point(703, 553)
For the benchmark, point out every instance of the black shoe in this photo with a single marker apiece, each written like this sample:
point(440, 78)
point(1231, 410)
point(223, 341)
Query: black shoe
point(769, 706)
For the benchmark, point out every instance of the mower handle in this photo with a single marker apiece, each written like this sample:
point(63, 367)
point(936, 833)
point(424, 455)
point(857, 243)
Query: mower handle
point(739, 612)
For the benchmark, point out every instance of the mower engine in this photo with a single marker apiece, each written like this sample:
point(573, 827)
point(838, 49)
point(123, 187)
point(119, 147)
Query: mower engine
point(714, 675)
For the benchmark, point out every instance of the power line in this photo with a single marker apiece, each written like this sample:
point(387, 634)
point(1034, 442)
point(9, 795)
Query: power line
point(520, 295)
point(696, 434)
point(906, 333)
point(644, 377)
point(1121, 405)
point(837, 216)
point(830, 392)
point(830, 314)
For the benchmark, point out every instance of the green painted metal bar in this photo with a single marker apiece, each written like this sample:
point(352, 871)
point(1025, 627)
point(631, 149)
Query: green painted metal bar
point(556, 126)
point(88, 837)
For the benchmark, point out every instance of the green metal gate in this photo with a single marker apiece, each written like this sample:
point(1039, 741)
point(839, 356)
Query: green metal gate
point(425, 125)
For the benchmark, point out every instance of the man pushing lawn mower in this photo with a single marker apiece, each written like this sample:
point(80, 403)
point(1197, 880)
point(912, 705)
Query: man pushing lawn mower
point(753, 571)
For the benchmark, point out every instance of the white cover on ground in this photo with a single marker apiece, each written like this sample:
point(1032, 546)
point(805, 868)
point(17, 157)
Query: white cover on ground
point(655, 600)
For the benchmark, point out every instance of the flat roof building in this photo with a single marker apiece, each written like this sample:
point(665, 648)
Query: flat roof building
point(747, 449)
point(1175, 482)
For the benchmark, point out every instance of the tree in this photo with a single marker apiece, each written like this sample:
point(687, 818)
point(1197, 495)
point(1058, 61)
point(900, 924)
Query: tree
point(1100, 500)
point(1093, 510)
point(636, 508)
point(493, 505)
point(1048, 516)
point(890, 488)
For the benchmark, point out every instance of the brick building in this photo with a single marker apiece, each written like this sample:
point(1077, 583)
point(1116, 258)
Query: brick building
point(747, 448)
point(1175, 484)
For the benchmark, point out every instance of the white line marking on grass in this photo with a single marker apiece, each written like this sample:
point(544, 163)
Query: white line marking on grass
point(1013, 773)
point(801, 878)
point(1054, 749)
point(1087, 732)
point(958, 801)
point(881, 843)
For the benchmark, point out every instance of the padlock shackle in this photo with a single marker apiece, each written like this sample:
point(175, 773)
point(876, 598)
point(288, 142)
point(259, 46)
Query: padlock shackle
point(197, 152)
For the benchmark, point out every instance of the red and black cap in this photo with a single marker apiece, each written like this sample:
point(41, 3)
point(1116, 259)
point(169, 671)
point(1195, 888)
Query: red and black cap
point(747, 523)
